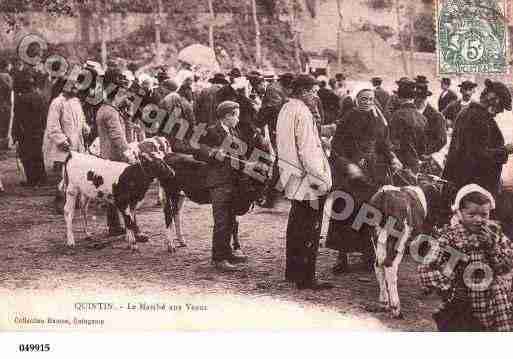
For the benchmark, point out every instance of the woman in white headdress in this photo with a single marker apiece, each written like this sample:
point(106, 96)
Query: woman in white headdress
point(362, 137)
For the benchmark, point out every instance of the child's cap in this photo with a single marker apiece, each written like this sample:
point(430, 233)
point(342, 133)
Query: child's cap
point(465, 190)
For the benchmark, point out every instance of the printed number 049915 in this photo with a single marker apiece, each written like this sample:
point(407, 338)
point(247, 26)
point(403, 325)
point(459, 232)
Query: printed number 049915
point(34, 347)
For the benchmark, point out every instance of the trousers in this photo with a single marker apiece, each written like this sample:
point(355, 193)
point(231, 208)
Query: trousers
point(224, 221)
point(302, 241)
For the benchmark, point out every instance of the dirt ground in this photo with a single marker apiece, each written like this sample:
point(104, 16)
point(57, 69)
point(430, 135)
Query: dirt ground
point(33, 259)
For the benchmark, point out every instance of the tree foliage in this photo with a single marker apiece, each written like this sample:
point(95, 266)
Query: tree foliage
point(424, 34)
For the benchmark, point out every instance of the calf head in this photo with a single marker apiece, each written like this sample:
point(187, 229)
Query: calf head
point(439, 196)
point(151, 154)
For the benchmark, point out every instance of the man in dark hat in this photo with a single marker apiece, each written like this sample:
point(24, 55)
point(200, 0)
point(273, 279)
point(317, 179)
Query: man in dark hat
point(113, 142)
point(381, 96)
point(393, 103)
point(276, 95)
point(478, 149)
point(408, 128)
point(340, 85)
point(447, 96)
point(218, 79)
point(160, 91)
point(235, 91)
point(436, 126)
point(421, 79)
point(299, 146)
point(205, 104)
point(28, 129)
point(451, 112)
point(234, 74)
point(330, 102)
point(179, 110)
point(257, 83)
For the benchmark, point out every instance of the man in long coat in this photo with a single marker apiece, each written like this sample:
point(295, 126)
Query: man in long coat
point(28, 129)
point(205, 104)
point(113, 142)
point(330, 102)
point(478, 152)
point(234, 92)
point(276, 95)
point(408, 129)
point(382, 96)
point(447, 96)
point(436, 126)
point(393, 102)
point(179, 111)
point(451, 112)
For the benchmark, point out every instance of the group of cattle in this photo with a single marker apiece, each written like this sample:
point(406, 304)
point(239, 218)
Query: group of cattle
point(124, 185)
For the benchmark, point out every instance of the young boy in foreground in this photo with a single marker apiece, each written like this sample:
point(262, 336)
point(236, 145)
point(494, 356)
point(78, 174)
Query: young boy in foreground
point(466, 266)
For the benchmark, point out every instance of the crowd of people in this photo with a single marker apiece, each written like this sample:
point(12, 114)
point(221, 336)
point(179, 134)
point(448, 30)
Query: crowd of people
point(308, 122)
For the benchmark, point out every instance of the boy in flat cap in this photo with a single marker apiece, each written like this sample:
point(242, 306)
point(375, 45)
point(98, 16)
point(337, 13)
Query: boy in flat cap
point(478, 149)
point(447, 96)
point(451, 112)
point(222, 181)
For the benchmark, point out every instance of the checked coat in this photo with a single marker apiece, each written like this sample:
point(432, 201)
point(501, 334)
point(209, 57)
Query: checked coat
point(491, 307)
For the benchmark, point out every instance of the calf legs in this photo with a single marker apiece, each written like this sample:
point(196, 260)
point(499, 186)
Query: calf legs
point(85, 206)
point(178, 221)
point(131, 226)
point(69, 211)
point(173, 204)
point(386, 274)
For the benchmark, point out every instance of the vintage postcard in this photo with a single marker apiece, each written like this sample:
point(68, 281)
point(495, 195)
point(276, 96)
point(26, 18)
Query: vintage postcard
point(255, 165)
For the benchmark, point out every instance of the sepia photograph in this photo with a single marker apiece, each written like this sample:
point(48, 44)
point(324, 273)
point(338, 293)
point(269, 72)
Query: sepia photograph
point(239, 165)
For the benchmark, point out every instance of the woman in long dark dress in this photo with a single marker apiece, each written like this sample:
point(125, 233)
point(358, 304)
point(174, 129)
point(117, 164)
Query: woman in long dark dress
point(478, 150)
point(29, 127)
point(362, 137)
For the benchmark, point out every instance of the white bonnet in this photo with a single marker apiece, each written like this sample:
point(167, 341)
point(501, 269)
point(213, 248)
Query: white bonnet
point(469, 189)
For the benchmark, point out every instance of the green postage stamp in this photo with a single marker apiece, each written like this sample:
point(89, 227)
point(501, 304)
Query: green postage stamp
point(472, 36)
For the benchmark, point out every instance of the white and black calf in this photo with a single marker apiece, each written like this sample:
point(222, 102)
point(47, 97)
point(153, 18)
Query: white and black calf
point(406, 209)
point(121, 184)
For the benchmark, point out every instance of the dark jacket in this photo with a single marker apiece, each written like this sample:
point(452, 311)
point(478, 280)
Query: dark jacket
point(362, 136)
point(436, 130)
point(330, 105)
point(392, 105)
point(274, 99)
point(407, 132)
point(248, 113)
point(452, 111)
point(444, 101)
point(346, 104)
point(382, 97)
point(477, 150)
point(219, 173)
point(204, 106)
point(29, 123)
